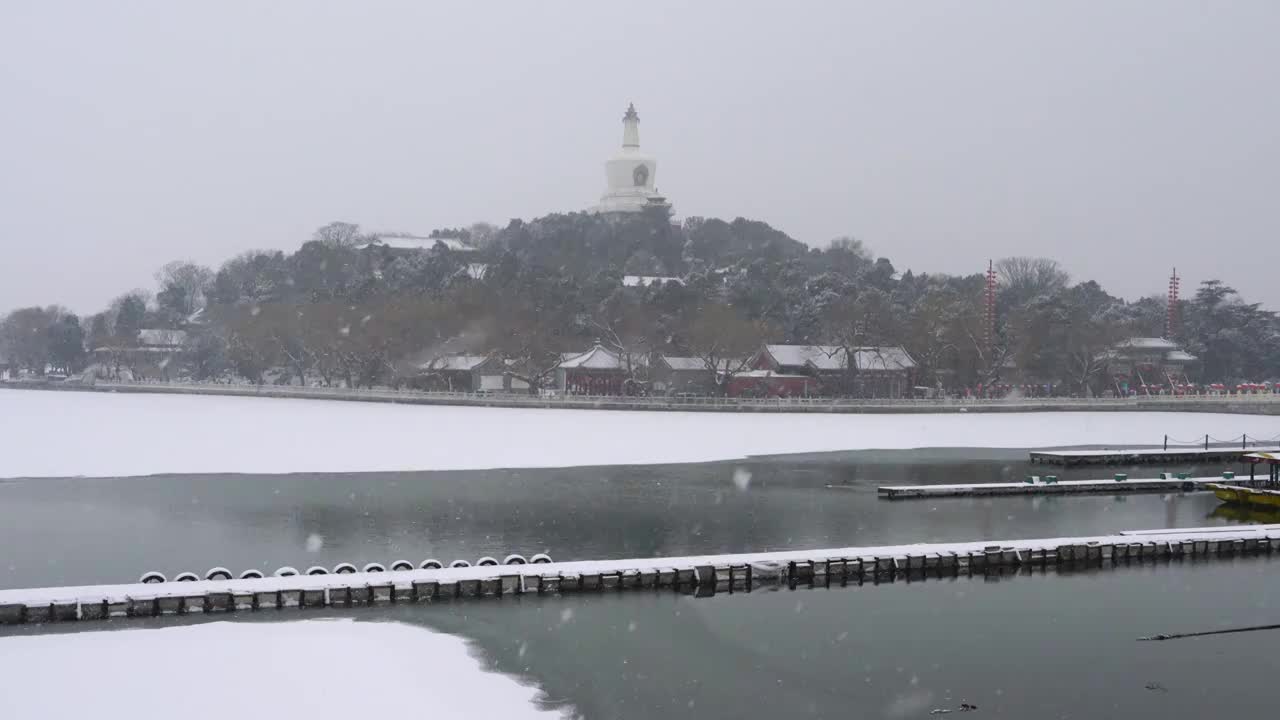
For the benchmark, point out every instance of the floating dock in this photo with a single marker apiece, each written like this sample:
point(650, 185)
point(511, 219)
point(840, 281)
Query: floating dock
point(700, 575)
point(1060, 487)
point(1143, 456)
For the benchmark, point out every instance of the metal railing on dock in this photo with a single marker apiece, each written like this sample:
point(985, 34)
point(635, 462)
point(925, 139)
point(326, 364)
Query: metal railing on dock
point(1147, 456)
point(701, 575)
point(1051, 485)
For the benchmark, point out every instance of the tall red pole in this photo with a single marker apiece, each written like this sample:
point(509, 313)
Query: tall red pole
point(989, 328)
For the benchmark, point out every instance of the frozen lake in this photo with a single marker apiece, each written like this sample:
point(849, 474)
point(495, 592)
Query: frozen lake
point(65, 433)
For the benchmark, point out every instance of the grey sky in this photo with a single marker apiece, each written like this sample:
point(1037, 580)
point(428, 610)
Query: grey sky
point(1118, 137)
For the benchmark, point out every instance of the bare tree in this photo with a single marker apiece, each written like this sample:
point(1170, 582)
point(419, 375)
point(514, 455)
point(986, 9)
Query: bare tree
point(628, 327)
point(723, 340)
point(283, 329)
point(988, 359)
point(857, 328)
point(319, 335)
point(482, 234)
point(183, 286)
point(339, 234)
point(1024, 278)
point(528, 340)
point(929, 337)
point(24, 336)
point(250, 349)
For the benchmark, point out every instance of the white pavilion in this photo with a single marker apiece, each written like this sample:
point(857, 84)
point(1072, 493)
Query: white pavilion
point(631, 174)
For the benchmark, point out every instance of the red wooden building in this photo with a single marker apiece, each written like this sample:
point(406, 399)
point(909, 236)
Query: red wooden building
point(599, 371)
point(767, 383)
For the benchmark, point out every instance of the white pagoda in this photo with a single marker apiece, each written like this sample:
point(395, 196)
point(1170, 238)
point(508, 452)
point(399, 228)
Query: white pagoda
point(631, 174)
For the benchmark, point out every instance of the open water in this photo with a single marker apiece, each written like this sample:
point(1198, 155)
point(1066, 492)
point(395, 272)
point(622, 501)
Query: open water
point(1051, 646)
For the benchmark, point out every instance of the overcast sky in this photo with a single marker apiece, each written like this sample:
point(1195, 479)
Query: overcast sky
point(1119, 137)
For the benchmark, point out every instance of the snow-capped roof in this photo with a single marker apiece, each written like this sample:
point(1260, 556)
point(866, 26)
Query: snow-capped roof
point(600, 358)
point(1148, 343)
point(160, 337)
point(1179, 356)
point(833, 357)
point(822, 356)
point(647, 280)
point(417, 242)
point(684, 363)
point(769, 374)
point(597, 358)
point(695, 363)
point(454, 362)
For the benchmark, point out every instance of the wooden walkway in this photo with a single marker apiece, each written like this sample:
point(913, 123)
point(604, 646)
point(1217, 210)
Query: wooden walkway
point(701, 575)
point(1143, 456)
point(1040, 486)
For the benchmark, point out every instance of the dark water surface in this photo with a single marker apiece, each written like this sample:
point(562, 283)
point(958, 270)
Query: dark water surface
point(1058, 646)
point(73, 531)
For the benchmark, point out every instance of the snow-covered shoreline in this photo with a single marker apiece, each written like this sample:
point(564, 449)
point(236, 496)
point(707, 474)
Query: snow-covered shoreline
point(59, 434)
point(203, 671)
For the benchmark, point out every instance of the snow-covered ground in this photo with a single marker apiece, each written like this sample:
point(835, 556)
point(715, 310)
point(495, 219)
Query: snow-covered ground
point(310, 668)
point(46, 433)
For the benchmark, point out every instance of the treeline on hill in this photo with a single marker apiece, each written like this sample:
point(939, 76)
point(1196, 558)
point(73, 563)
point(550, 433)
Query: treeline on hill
point(336, 312)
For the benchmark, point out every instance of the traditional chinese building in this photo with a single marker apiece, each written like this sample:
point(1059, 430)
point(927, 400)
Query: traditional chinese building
point(1148, 365)
point(157, 354)
point(770, 383)
point(671, 374)
point(462, 373)
point(599, 371)
point(880, 372)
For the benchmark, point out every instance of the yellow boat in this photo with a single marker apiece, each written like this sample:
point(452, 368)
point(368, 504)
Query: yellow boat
point(1246, 496)
point(1236, 512)
point(1255, 496)
point(1226, 493)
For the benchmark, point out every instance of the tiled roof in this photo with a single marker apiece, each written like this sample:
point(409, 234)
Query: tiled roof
point(767, 374)
point(684, 363)
point(695, 363)
point(453, 362)
point(600, 358)
point(1148, 343)
point(833, 357)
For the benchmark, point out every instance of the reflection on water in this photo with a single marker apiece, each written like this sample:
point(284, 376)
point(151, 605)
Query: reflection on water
point(1041, 646)
point(80, 531)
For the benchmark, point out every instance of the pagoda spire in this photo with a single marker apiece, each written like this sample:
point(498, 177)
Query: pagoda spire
point(631, 127)
point(1172, 310)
